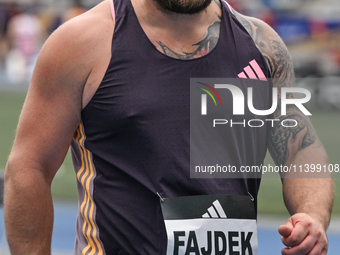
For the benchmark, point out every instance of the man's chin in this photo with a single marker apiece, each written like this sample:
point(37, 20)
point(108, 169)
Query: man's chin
point(183, 6)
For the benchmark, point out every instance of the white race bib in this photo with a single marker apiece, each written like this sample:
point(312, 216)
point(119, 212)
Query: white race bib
point(210, 225)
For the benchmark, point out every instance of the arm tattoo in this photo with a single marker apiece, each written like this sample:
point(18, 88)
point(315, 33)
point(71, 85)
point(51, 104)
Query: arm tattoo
point(272, 48)
point(285, 142)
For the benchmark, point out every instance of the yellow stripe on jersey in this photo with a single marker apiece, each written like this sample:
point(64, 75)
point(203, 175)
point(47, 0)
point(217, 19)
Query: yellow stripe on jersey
point(85, 176)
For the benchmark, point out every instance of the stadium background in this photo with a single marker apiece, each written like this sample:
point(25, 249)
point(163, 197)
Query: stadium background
point(310, 28)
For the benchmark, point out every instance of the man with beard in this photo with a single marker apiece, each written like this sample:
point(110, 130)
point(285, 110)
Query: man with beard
point(114, 85)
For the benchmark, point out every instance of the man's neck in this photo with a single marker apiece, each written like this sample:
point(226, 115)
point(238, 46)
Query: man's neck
point(179, 35)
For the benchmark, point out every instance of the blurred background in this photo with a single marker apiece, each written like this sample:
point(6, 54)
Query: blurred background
point(310, 28)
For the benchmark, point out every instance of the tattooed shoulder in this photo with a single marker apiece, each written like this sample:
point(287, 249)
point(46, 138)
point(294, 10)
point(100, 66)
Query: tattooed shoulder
point(297, 134)
point(272, 48)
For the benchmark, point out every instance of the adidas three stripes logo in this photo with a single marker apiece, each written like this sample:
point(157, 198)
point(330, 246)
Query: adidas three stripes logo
point(215, 211)
point(252, 71)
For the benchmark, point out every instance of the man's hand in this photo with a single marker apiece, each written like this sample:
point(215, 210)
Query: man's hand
point(303, 235)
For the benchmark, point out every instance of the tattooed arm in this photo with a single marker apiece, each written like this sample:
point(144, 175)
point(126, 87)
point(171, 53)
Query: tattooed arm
point(309, 200)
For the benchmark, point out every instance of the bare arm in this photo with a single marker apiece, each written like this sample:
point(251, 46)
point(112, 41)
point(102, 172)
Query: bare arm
point(65, 73)
point(49, 117)
point(309, 200)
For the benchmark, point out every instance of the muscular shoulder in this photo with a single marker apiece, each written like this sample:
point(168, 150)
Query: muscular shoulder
point(73, 55)
point(271, 46)
point(82, 35)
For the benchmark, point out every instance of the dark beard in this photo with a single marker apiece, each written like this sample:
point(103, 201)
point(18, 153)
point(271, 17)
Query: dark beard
point(183, 6)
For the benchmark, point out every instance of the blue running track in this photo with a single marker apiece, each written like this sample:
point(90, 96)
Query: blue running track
point(64, 233)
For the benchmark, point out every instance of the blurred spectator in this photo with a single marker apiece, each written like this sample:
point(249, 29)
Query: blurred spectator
point(25, 37)
point(3, 28)
point(318, 27)
point(75, 10)
point(237, 5)
point(7, 11)
point(268, 16)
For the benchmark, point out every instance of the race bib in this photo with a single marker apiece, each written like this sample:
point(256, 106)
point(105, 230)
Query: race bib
point(210, 225)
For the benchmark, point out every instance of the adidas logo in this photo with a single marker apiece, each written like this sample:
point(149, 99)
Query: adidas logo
point(215, 211)
point(252, 71)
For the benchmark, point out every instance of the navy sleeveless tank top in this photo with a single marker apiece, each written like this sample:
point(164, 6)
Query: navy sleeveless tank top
point(133, 140)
